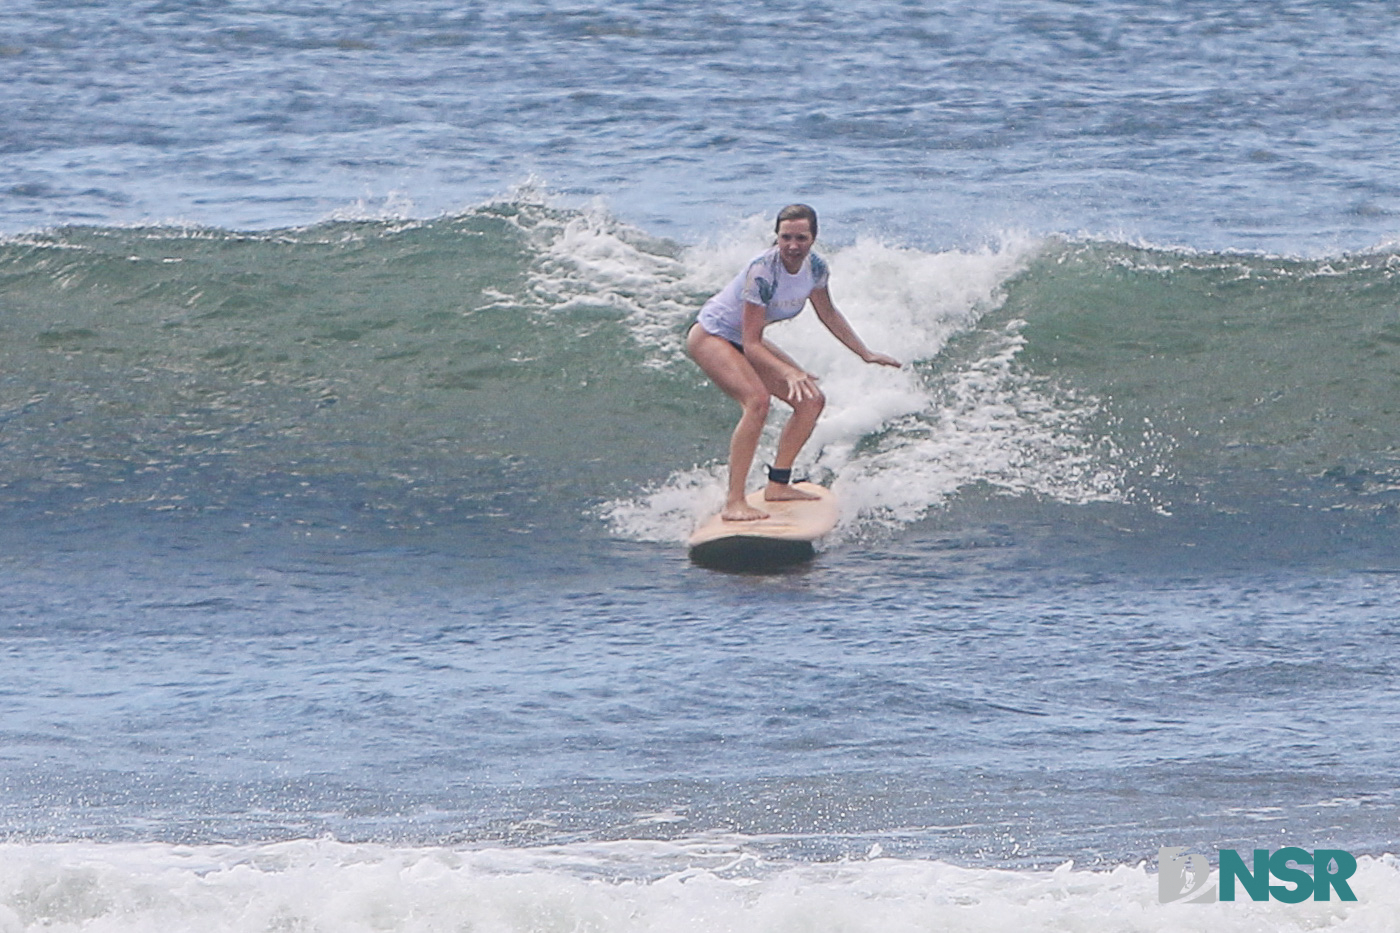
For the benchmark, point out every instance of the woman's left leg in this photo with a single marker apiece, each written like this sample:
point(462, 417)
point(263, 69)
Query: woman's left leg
point(796, 432)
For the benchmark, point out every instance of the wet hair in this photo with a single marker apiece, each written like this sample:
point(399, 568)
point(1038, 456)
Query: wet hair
point(797, 212)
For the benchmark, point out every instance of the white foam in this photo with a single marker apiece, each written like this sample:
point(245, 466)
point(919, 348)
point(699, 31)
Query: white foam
point(715, 886)
point(670, 511)
point(590, 258)
point(394, 206)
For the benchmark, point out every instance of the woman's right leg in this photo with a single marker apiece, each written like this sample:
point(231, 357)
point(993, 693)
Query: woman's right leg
point(732, 372)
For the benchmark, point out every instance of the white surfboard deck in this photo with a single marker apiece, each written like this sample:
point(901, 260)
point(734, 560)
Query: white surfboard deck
point(784, 537)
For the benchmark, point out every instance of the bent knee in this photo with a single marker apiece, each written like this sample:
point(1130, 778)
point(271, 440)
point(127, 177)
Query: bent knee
point(756, 403)
point(811, 405)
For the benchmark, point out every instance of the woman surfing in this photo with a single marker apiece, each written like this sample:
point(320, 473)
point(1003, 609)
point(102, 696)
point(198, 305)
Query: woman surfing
point(728, 344)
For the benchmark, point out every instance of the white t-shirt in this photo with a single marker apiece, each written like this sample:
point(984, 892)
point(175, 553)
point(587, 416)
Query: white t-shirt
point(765, 282)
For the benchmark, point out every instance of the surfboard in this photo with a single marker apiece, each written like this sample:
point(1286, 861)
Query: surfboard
point(785, 537)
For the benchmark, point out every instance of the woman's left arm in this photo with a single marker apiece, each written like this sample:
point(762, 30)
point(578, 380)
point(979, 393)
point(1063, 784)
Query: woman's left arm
point(841, 329)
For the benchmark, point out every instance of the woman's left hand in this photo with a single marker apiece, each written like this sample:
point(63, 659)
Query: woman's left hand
point(882, 359)
point(801, 385)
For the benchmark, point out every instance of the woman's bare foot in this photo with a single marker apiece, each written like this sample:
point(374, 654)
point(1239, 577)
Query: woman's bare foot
point(741, 511)
point(782, 492)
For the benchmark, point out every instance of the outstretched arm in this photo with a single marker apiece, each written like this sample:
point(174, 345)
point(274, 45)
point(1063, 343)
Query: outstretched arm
point(841, 329)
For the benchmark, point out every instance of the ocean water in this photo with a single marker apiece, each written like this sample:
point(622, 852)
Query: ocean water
point(348, 449)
